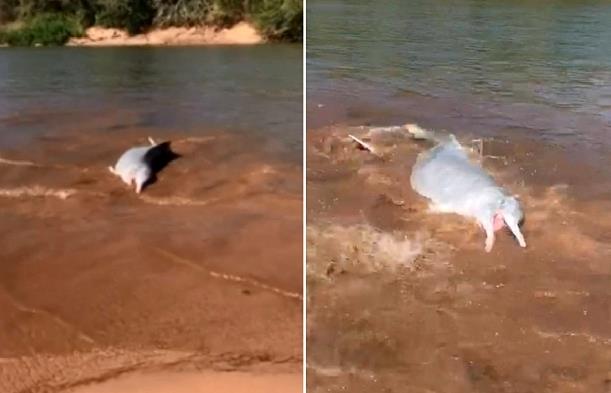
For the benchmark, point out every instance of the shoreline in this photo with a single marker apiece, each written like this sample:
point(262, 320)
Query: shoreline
point(158, 371)
point(173, 299)
point(193, 382)
point(242, 33)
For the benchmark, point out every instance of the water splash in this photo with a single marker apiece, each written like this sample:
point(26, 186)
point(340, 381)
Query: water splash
point(364, 249)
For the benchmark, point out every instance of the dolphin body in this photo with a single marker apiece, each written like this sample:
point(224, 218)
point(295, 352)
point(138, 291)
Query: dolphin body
point(454, 184)
point(136, 165)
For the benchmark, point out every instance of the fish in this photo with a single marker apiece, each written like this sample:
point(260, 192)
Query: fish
point(454, 184)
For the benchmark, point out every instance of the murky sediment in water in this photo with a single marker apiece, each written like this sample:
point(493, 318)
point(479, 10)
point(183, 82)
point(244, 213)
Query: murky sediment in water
point(199, 266)
point(200, 274)
point(402, 299)
point(184, 270)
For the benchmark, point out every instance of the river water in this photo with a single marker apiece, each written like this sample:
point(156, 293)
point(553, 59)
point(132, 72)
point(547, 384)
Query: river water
point(553, 53)
point(200, 271)
point(402, 300)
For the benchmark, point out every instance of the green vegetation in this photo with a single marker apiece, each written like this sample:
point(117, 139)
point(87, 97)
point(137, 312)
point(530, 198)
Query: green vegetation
point(53, 22)
point(7, 10)
point(279, 19)
point(43, 29)
point(132, 15)
point(197, 12)
point(275, 19)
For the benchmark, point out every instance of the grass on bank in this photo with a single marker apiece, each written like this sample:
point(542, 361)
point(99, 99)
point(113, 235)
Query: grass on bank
point(53, 22)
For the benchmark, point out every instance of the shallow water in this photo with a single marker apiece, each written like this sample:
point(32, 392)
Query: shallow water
point(96, 281)
point(400, 299)
point(553, 52)
point(45, 90)
point(488, 68)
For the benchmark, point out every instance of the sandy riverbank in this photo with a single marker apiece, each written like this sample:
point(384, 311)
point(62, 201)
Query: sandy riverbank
point(234, 382)
point(158, 371)
point(242, 33)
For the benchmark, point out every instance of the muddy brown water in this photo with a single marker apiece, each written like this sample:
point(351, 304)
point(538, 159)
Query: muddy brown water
point(201, 274)
point(90, 269)
point(402, 300)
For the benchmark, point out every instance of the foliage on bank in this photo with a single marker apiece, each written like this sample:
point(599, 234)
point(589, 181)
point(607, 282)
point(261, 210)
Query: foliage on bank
point(44, 30)
point(53, 22)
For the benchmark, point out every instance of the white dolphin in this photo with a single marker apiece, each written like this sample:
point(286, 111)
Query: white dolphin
point(454, 184)
point(133, 166)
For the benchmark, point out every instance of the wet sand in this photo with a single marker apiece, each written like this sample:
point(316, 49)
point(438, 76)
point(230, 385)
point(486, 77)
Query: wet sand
point(235, 382)
point(402, 300)
point(199, 275)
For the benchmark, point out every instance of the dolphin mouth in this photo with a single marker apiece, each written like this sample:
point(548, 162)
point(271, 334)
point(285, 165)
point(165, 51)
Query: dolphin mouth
point(515, 229)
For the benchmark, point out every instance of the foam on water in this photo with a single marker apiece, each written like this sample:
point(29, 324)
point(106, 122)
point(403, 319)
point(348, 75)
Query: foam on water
point(37, 191)
point(8, 161)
